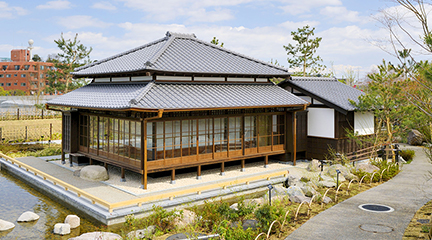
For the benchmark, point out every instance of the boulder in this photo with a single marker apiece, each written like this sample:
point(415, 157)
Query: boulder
point(254, 201)
point(187, 218)
point(327, 200)
point(327, 181)
point(28, 217)
point(314, 166)
point(366, 167)
point(5, 225)
point(62, 229)
point(295, 191)
point(73, 221)
point(143, 233)
point(94, 173)
point(415, 138)
point(300, 199)
point(98, 236)
point(234, 206)
point(309, 189)
point(276, 191)
point(294, 181)
point(331, 171)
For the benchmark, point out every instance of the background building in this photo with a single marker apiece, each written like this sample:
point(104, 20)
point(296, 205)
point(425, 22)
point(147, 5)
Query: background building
point(22, 73)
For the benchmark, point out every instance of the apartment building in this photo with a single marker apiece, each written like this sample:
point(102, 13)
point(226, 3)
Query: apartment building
point(22, 73)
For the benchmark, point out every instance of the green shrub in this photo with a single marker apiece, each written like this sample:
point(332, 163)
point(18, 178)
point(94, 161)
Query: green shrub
point(407, 155)
point(226, 231)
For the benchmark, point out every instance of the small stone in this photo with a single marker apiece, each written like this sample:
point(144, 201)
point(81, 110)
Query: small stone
point(28, 217)
point(5, 225)
point(187, 218)
point(94, 173)
point(62, 229)
point(98, 236)
point(314, 166)
point(295, 191)
point(254, 201)
point(73, 221)
point(327, 200)
point(366, 167)
point(143, 233)
point(300, 199)
point(234, 207)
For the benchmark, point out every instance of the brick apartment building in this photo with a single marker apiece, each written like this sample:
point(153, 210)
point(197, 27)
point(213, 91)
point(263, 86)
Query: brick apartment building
point(22, 73)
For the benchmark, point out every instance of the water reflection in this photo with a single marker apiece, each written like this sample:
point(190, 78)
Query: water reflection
point(16, 198)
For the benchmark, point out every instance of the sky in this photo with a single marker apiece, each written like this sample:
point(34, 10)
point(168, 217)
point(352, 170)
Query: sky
point(256, 28)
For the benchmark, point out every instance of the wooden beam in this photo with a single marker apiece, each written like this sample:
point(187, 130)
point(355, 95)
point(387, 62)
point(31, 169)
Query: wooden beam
point(294, 152)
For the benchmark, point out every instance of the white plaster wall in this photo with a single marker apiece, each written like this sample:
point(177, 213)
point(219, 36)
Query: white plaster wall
point(364, 123)
point(321, 122)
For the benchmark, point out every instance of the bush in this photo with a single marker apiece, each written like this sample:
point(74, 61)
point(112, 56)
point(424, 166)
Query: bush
point(407, 155)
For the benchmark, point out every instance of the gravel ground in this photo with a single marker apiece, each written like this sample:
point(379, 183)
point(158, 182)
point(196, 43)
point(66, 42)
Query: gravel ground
point(133, 180)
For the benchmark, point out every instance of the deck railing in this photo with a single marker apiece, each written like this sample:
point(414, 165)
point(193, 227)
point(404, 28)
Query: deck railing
point(139, 201)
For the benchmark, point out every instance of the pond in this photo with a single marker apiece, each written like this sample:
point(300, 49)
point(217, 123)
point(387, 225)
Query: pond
point(16, 197)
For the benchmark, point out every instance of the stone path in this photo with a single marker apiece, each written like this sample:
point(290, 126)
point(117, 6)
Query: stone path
point(405, 193)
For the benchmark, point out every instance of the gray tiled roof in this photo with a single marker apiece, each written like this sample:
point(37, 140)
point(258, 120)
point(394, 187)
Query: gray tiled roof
point(328, 89)
point(181, 53)
point(170, 96)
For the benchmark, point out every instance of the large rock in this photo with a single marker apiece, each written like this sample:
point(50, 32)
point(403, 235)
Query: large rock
point(309, 189)
point(98, 236)
point(73, 221)
point(415, 138)
point(5, 225)
point(143, 233)
point(314, 166)
point(300, 199)
point(275, 192)
point(366, 167)
point(294, 181)
point(94, 173)
point(295, 194)
point(331, 171)
point(254, 201)
point(187, 218)
point(62, 228)
point(28, 217)
point(327, 181)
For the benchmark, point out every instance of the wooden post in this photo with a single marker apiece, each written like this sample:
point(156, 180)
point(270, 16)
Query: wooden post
point(173, 176)
point(266, 161)
point(199, 172)
point(50, 131)
point(222, 169)
point(123, 178)
point(63, 161)
point(294, 155)
point(26, 133)
point(42, 114)
point(243, 165)
point(143, 153)
point(1, 134)
point(17, 113)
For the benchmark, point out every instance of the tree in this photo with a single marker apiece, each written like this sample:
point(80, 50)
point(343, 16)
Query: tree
point(36, 58)
point(4, 92)
point(302, 54)
point(215, 41)
point(384, 96)
point(73, 54)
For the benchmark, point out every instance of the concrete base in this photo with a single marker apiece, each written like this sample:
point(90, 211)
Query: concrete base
point(243, 170)
point(172, 181)
point(199, 177)
point(122, 179)
point(222, 173)
point(84, 207)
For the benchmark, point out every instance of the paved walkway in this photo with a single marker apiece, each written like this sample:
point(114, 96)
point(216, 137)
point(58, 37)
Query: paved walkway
point(406, 193)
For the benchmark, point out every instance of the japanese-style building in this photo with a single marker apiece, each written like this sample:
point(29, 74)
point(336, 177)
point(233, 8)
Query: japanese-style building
point(179, 102)
point(330, 118)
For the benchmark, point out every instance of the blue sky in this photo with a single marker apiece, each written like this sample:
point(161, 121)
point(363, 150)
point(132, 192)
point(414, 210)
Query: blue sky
point(257, 28)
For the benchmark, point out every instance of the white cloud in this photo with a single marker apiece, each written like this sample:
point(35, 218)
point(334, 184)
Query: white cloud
point(192, 10)
point(57, 5)
point(341, 14)
point(104, 6)
point(81, 21)
point(7, 11)
point(293, 26)
point(296, 7)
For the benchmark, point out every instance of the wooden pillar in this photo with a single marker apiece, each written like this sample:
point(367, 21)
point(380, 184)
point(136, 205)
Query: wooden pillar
point(266, 161)
point(199, 172)
point(106, 166)
point(143, 153)
point(173, 176)
point(243, 165)
point(63, 159)
point(90, 161)
point(222, 169)
point(294, 152)
point(123, 178)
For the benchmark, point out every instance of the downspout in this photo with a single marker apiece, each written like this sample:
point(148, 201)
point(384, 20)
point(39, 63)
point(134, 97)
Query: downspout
point(144, 146)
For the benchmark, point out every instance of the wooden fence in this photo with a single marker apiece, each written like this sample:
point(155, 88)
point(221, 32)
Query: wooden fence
point(49, 131)
point(27, 114)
